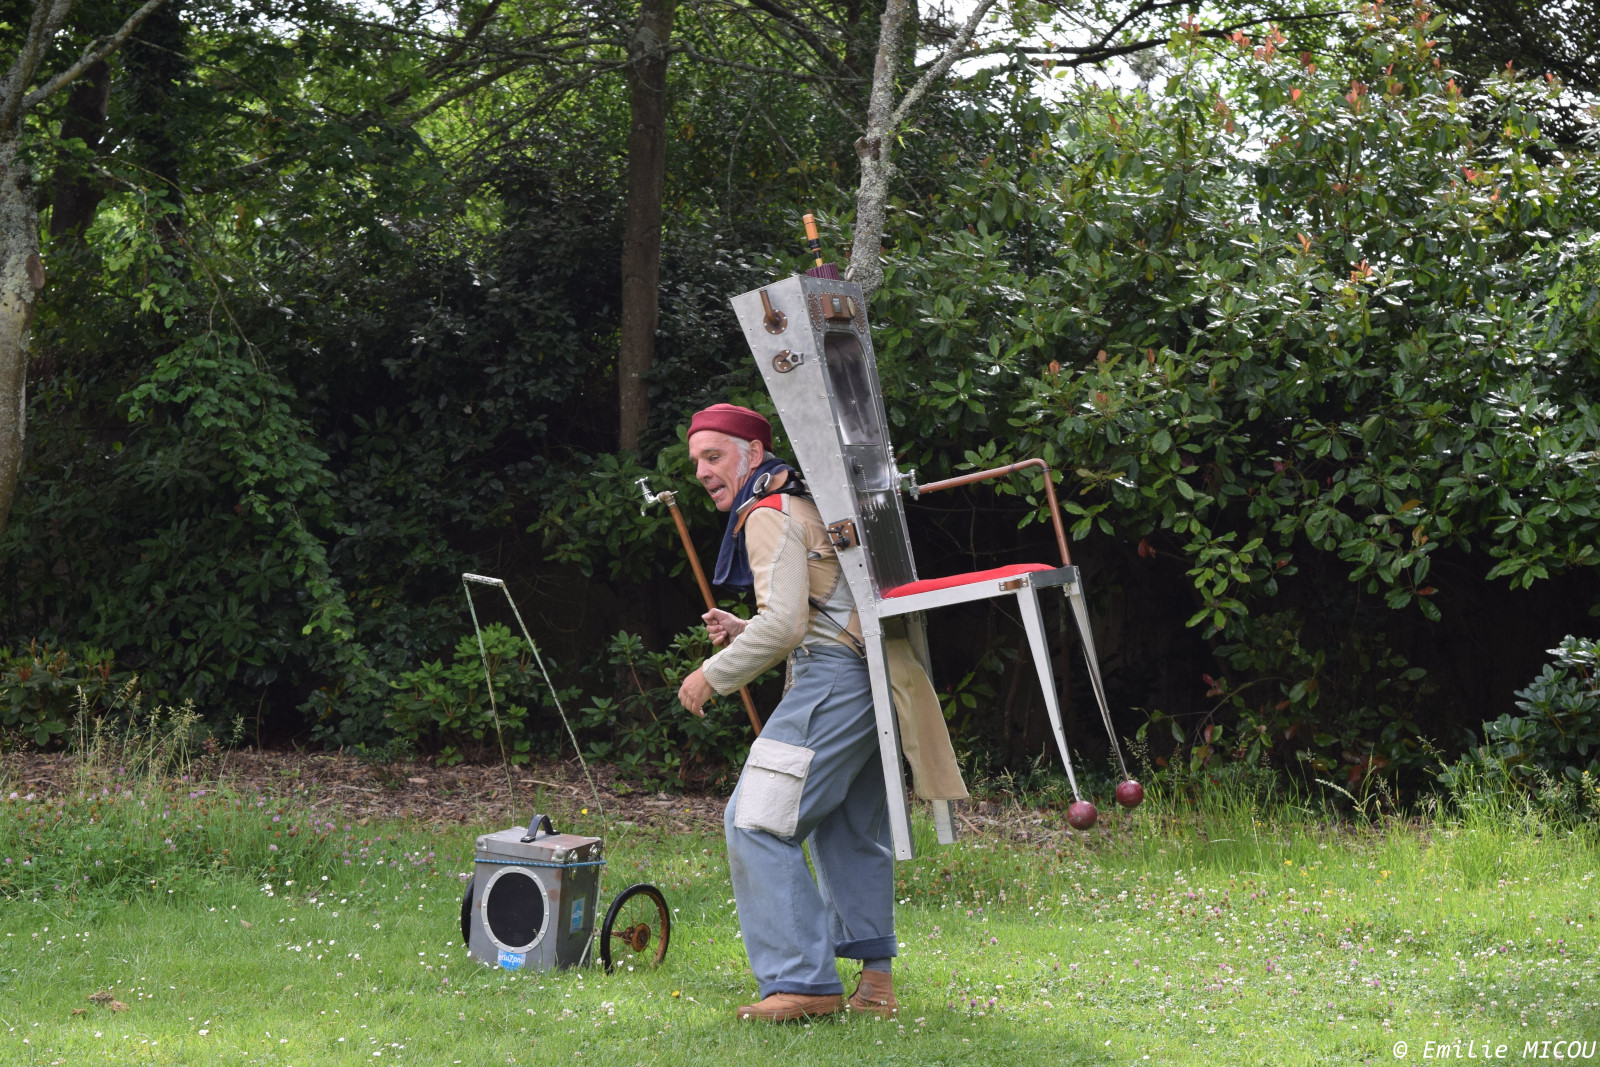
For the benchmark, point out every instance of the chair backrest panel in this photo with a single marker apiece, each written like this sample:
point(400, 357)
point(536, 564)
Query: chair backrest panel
point(823, 377)
point(855, 398)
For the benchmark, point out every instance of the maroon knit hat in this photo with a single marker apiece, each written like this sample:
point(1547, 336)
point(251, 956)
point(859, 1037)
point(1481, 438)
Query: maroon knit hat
point(734, 421)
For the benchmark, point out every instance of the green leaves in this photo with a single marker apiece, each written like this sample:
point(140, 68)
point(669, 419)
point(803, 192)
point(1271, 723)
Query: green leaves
point(443, 709)
point(646, 732)
point(44, 689)
point(1298, 327)
point(1555, 743)
point(1306, 365)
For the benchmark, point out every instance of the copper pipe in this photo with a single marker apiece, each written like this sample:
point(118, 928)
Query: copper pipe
point(705, 591)
point(999, 472)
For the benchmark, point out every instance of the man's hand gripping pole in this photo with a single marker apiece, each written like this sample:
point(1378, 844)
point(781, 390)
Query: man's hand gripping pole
point(670, 499)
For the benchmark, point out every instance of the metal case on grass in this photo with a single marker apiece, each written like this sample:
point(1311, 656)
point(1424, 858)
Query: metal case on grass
point(533, 903)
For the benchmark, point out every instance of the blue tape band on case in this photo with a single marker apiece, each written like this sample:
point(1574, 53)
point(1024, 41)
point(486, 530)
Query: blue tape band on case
point(538, 863)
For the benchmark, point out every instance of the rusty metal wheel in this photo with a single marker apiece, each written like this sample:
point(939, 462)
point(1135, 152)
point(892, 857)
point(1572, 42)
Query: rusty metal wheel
point(637, 929)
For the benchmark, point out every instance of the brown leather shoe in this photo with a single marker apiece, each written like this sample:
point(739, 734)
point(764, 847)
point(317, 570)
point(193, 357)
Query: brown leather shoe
point(784, 1007)
point(874, 994)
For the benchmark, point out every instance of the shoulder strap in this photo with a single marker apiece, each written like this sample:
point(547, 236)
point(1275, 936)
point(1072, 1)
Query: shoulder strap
point(772, 500)
point(771, 489)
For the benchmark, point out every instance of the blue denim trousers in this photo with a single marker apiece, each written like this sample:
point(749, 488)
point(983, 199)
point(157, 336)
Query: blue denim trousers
point(813, 776)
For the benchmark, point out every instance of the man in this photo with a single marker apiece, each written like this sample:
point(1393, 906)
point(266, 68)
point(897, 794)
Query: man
point(814, 774)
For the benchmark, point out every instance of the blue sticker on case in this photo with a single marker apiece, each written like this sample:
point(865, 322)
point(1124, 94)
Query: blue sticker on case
point(576, 923)
point(511, 960)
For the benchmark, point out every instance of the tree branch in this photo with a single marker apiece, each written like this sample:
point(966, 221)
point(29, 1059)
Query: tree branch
point(48, 15)
point(937, 71)
point(471, 86)
point(1079, 57)
point(473, 32)
point(1133, 13)
point(700, 57)
point(96, 51)
point(805, 33)
point(536, 106)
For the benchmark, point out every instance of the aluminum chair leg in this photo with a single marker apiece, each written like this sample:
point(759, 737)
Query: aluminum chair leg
point(1033, 623)
point(894, 778)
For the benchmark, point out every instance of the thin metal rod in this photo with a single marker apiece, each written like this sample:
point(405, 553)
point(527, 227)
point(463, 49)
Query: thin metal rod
point(671, 501)
point(554, 696)
point(1080, 610)
point(1000, 472)
point(488, 680)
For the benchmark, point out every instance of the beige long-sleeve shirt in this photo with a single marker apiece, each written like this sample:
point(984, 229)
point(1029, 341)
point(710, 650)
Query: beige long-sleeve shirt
point(803, 599)
point(801, 595)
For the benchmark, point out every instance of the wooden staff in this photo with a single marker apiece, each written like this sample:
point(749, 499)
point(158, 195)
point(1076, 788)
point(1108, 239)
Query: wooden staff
point(670, 499)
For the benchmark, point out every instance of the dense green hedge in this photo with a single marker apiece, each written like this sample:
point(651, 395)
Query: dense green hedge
point(1303, 329)
point(1310, 339)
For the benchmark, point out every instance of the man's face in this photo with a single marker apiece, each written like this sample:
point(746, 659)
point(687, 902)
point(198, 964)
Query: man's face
point(718, 466)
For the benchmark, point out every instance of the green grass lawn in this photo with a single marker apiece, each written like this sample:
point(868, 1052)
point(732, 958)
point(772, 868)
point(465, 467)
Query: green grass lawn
point(1164, 937)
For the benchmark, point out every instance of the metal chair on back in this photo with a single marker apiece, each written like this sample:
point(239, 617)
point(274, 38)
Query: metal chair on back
point(810, 338)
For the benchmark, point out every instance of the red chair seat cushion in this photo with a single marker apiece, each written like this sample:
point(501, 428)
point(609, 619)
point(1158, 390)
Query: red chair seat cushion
point(927, 585)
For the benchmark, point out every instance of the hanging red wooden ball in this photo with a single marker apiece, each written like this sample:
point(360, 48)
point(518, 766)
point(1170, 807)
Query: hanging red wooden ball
point(1081, 815)
point(1130, 794)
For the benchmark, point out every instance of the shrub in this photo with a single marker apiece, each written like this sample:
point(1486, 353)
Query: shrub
point(447, 709)
point(1551, 753)
point(1292, 707)
point(1560, 730)
point(43, 689)
point(1294, 327)
point(647, 735)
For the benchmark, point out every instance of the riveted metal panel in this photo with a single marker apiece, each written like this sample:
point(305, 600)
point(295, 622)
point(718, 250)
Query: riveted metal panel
point(832, 411)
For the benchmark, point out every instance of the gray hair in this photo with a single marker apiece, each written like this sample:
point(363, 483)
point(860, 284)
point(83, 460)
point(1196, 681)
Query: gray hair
point(743, 448)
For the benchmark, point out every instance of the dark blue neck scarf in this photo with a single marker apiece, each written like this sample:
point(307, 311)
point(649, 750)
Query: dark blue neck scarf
point(733, 562)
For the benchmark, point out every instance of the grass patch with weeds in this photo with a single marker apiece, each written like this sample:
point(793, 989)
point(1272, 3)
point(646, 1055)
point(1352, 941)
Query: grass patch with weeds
point(231, 926)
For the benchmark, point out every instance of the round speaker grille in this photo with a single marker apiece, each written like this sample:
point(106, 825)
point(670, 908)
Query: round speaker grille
point(514, 909)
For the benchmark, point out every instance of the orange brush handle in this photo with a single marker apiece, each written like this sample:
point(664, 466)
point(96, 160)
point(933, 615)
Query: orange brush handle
point(812, 239)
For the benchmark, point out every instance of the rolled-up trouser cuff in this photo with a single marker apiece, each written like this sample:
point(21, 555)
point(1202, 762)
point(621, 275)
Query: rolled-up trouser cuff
point(867, 948)
point(809, 989)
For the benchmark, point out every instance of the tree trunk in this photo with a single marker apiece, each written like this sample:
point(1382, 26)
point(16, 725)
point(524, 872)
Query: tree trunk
point(21, 272)
point(875, 147)
point(75, 197)
point(873, 150)
point(21, 278)
point(641, 240)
